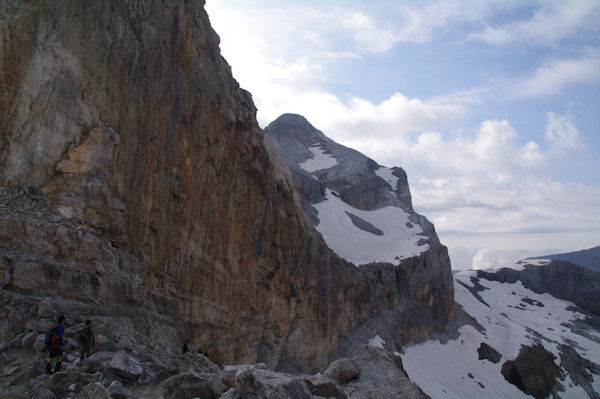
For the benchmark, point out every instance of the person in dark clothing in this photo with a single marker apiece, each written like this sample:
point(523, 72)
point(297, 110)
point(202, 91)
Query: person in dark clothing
point(56, 346)
point(184, 348)
point(87, 341)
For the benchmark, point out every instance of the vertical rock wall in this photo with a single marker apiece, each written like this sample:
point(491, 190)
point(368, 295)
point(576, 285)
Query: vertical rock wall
point(126, 119)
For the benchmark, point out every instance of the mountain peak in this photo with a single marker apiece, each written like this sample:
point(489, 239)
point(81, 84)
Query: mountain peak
point(294, 120)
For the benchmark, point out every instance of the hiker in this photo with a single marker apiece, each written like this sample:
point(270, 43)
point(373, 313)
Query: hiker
point(184, 348)
point(55, 344)
point(87, 340)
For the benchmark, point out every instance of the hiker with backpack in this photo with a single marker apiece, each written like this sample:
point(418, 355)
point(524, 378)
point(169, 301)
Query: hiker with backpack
point(55, 344)
point(87, 341)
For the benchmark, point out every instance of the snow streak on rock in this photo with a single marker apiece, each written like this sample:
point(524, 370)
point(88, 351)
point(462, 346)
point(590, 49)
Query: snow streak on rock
point(386, 174)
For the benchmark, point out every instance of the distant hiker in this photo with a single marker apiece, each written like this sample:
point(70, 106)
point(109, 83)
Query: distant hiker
point(55, 344)
point(185, 348)
point(87, 340)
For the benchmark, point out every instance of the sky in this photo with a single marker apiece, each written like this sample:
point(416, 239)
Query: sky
point(491, 107)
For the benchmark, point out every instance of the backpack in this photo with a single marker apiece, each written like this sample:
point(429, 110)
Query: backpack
point(85, 335)
point(52, 339)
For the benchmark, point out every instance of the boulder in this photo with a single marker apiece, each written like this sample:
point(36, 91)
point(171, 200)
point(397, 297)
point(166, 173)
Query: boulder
point(533, 371)
point(192, 385)
point(94, 390)
point(126, 366)
point(343, 370)
point(382, 376)
point(97, 361)
point(253, 382)
point(39, 343)
point(487, 352)
point(118, 391)
point(28, 340)
point(324, 386)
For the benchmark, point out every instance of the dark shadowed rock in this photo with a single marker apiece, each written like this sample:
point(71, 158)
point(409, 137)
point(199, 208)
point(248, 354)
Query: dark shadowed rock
point(94, 390)
point(324, 386)
point(118, 391)
point(191, 385)
point(533, 371)
point(487, 352)
point(124, 365)
point(580, 369)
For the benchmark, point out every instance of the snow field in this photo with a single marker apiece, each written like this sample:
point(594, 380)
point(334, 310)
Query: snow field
point(440, 369)
point(360, 247)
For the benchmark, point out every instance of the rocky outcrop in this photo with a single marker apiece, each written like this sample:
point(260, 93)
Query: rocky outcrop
point(561, 279)
point(533, 371)
point(137, 188)
point(487, 352)
point(381, 376)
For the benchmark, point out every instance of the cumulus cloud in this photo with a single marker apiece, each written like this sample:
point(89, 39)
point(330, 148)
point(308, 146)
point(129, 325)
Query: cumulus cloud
point(487, 178)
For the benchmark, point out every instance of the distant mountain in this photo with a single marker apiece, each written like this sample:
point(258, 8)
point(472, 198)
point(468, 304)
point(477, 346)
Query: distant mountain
point(363, 210)
point(589, 258)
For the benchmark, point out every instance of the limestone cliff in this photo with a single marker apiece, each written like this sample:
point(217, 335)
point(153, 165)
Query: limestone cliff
point(137, 187)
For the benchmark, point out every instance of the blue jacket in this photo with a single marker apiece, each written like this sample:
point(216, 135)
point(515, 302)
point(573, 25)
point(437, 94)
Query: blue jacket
point(61, 332)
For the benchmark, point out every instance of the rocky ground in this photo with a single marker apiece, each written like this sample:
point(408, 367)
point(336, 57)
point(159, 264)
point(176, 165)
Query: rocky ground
point(124, 370)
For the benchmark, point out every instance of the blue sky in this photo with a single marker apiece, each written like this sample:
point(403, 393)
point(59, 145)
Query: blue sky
point(492, 107)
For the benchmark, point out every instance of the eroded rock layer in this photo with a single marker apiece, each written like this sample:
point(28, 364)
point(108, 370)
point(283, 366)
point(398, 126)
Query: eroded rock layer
point(137, 186)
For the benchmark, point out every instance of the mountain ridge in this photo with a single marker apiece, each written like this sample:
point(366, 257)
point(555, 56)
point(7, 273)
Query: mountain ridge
point(589, 258)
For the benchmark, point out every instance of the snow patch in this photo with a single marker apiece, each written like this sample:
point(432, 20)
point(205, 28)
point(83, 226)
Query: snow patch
point(360, 247)
point(377, 342)
point(319, 161)
point(386, 174)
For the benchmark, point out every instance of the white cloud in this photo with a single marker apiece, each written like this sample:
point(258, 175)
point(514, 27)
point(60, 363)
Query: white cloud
point(367, 33)
point(562, 133)
point(556, 76)
point(553, 21)
point(486, 186)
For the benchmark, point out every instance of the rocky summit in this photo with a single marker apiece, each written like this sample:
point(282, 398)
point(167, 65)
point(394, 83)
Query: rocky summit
point(137, 190)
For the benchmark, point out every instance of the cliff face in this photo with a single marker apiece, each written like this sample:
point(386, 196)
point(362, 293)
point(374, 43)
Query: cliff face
point(136, 185)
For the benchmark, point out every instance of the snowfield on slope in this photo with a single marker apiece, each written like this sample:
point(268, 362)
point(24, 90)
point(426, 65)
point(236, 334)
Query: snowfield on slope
point(319, 161)
point(399, 240)
point(453, 370)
